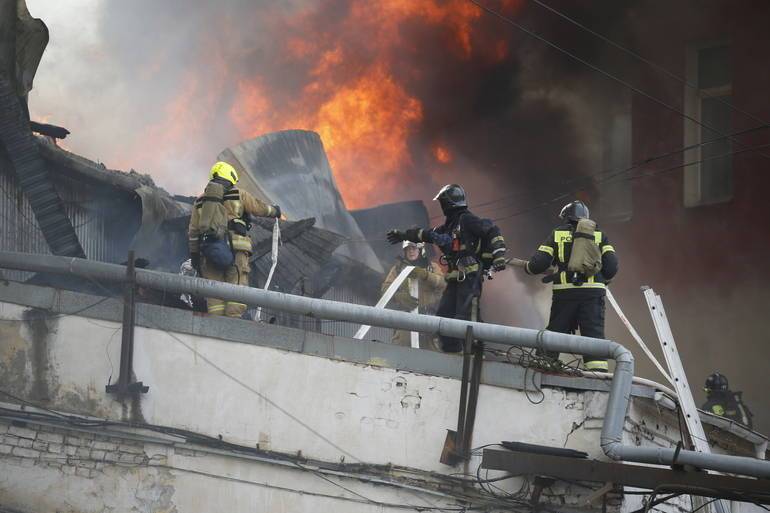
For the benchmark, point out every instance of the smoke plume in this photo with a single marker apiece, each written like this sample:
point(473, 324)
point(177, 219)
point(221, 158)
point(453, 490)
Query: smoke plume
point(406, 95)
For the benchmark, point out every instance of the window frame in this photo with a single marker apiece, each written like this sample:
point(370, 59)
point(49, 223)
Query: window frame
point(692, 186)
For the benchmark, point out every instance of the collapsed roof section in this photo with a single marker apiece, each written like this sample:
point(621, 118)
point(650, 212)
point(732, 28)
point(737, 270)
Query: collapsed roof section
point(133, 195)
point(290, 168)
point(305, 251)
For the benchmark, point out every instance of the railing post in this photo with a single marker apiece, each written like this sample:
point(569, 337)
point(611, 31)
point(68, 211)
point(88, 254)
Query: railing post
point(455, 448)
point(462, 410)
point(124, 386)
point(473, 399)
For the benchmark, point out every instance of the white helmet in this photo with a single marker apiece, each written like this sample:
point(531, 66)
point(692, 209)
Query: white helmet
point(419, 245)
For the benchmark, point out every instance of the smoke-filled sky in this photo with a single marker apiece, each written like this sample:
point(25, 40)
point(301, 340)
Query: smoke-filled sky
point(406, 95)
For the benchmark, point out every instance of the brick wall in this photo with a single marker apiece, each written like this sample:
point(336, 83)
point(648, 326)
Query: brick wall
point(71, 452)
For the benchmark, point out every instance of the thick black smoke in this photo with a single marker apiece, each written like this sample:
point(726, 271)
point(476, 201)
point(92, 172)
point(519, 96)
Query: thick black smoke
point(153, 85)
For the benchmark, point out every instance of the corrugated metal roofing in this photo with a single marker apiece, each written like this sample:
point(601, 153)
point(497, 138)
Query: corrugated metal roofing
point(290, 168)
point(304, 252)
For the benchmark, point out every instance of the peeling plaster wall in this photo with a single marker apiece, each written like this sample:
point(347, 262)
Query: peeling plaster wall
point(48, 469)
point(45, 469)
point(48, 359)
point(251, 394)
point(289, 401)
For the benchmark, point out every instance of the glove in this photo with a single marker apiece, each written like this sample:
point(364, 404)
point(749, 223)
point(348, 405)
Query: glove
point(277, 210)
point(396, 236)
point(406, 301)
point(195, 261)
point(420, 273)
point(498, 264)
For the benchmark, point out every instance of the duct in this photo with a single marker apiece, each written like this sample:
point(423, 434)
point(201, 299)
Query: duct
point(620, 389)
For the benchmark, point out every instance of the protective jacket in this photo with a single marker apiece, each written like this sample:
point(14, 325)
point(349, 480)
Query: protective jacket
point(556, 250)
point(469, 243)
point(578, 301)
point(429, 288)
point(728, 404)
point(236, 202)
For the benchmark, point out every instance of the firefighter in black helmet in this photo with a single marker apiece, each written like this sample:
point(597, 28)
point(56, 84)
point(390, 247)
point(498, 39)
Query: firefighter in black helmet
point(470, 246)
point(722, 401)
point(578, 295)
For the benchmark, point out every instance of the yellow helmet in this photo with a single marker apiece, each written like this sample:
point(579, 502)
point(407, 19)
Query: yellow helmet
point(224, 170)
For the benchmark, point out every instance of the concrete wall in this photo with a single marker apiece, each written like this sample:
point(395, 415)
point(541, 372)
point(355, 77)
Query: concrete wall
point(60, 469)
point(283, 390)
point(282, 400)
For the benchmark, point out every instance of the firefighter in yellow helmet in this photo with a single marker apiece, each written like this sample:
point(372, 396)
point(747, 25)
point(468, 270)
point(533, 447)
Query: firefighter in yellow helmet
point(219, 239)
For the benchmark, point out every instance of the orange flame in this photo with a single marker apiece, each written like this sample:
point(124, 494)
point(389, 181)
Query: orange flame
point(442, 154)
point(367, 117)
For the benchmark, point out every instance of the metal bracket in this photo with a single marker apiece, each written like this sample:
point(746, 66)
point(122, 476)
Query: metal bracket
point(458, 443)
point(124, 386)
point(598, 494)
point(539, 483)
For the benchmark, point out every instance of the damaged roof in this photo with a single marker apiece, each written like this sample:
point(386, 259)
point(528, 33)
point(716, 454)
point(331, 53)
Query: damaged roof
point(304, 252)
point(290, 168)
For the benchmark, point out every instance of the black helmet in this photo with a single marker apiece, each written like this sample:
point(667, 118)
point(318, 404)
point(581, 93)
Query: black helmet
point(716, 383)
point(574, 211)
point(451, 197)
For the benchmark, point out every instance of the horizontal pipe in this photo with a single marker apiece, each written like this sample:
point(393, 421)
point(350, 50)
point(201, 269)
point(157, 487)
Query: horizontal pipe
point(620, 388)
point(320, 308)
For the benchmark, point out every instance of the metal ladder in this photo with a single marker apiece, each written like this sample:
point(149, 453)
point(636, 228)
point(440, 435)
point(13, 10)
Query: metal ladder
point(676, 371)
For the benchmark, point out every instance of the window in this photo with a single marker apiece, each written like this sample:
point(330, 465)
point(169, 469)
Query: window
point(711, 180)
point(615, 198)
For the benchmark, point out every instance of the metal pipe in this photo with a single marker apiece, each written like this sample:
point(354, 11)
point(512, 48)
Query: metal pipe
point(620, 389)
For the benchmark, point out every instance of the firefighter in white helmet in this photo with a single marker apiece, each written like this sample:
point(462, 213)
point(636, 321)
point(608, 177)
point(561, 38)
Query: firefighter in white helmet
point(428, 278)
point(219, 239)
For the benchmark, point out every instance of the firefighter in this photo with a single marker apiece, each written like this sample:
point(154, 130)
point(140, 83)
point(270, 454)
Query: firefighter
point(470, 246)
point(578, 295)
point(219, 239)
point(722, 401)
point(429, 282)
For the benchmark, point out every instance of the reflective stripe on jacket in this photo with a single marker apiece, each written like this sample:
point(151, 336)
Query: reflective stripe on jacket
point(469, 243)
point(236, 202)
point(557, 250)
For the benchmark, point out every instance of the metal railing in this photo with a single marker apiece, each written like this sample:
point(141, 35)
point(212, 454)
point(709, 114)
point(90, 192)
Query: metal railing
point(620, 390)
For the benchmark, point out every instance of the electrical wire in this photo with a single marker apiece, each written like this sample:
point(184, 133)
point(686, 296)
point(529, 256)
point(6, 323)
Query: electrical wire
point(207, 441)
point(379, 503)
point(602, 72)
point(649, 63)
point(635, 166)
point(704, 505)
point(362, 500)
point(267, 400)
point(608, 176)
point(283, 410)
point(568, 194)
point(652, 502)
point(611, 173)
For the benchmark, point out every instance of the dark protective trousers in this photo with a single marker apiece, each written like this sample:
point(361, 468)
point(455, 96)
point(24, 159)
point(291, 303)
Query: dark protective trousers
point(457, 302)
point(586, 314)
